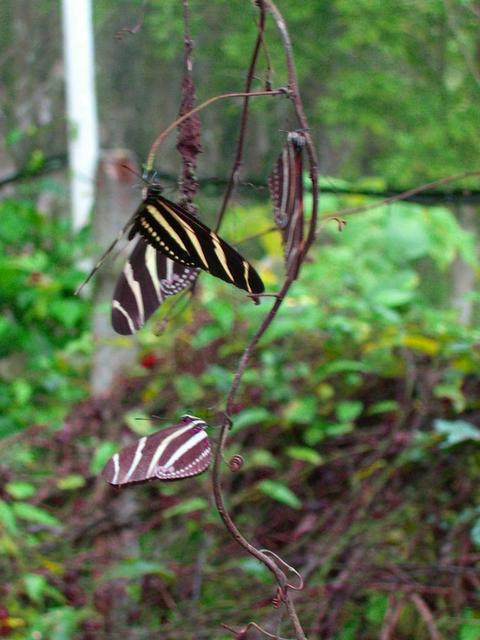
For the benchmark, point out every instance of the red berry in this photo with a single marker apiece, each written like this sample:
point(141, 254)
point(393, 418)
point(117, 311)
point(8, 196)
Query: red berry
point(149, 360)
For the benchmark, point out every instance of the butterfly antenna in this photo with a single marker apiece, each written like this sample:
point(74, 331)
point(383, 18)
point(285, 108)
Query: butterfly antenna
point(106, 253)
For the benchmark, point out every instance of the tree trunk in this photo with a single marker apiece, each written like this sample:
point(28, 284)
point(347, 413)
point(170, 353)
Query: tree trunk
point(116, 200)
point(463, 273)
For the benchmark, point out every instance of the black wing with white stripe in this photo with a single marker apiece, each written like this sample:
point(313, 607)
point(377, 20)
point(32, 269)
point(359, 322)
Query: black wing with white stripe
point(175, 453)
point(178, 235)
point(147, 279)
point(286, 188)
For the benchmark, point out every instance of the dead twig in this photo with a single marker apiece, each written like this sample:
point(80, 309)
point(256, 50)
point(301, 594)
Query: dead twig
point(427, 616)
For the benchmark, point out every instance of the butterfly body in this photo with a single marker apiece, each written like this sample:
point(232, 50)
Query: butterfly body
point(178, 452)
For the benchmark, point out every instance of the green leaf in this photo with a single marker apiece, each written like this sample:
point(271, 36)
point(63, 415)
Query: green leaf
point(71, 482)
point(59, 623)
point(261, 458)
point(103, 453)
point(475, 533)
point(7, 518)
point(348, 410)
point(316, 432)
point(456, 431)
point(384, 406)
point(223, 313)
point(188, 388)
point(255, 415)
point(186, 506)
point(67, 311)
point(470, 627)
point(20, 490)
point(406, 237)
point(279, 492)
point(22, 391)
point(301, 410)
point(139, 422)
point(350, 630)
point(392, 297)
point(339, 366)
point(138, 568)
point(304, 453)
point(29, 512)
point(453, 393)
point(253, 567)
point(35, 586)
point(376, 607)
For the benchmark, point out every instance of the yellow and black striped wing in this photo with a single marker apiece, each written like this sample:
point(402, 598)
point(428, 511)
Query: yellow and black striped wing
point(178, 235)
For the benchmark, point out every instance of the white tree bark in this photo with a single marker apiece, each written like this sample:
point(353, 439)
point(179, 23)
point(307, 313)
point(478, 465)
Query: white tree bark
point(116, 200)
point(81, 106)
point(464, 275)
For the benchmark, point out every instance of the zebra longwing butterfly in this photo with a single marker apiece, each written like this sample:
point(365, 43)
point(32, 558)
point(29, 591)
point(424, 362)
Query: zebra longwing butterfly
point(178, 235)
point(184, 245)
point(174, 453)
point(147, 279)
point(286, 188)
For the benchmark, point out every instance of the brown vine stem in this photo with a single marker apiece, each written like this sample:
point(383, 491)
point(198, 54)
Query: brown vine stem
point(401, 196)
point(244, 117)
point(241, 94)
point(252, 625)
point(268, 319)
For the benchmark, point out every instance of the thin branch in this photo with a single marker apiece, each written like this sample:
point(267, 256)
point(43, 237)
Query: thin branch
point(203, 105)
point(302, 119)
point(426, 615)
point(252, 625)
point(244, 118)
point(401, 196)
point(231, 527)
point(136, 28)
point(392, 616)
point(471, 63)
point(189, 143)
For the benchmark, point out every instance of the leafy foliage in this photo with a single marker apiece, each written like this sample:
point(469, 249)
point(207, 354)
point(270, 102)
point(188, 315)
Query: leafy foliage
point(42, 352)
point(366, 347)
point(358, 422)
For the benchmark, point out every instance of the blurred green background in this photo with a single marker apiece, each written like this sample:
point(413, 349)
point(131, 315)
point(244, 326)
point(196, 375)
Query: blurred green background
point(359, 416)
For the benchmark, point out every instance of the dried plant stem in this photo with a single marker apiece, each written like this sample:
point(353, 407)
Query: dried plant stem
point(244, 117)
point(243, 542)
point(264, 5)
point(252, 625)
point(203, 105)
point(268, 319)
point(426, 614)
point(400, 196)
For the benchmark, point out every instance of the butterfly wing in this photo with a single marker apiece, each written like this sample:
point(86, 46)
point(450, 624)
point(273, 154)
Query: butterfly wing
point(286, 188)
point(147, 279)
point(178, 452)
point(178, 235)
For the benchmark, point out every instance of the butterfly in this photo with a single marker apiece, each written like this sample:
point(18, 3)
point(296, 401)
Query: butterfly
point(286, 188)
point(186, 245)
point(178, 452)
